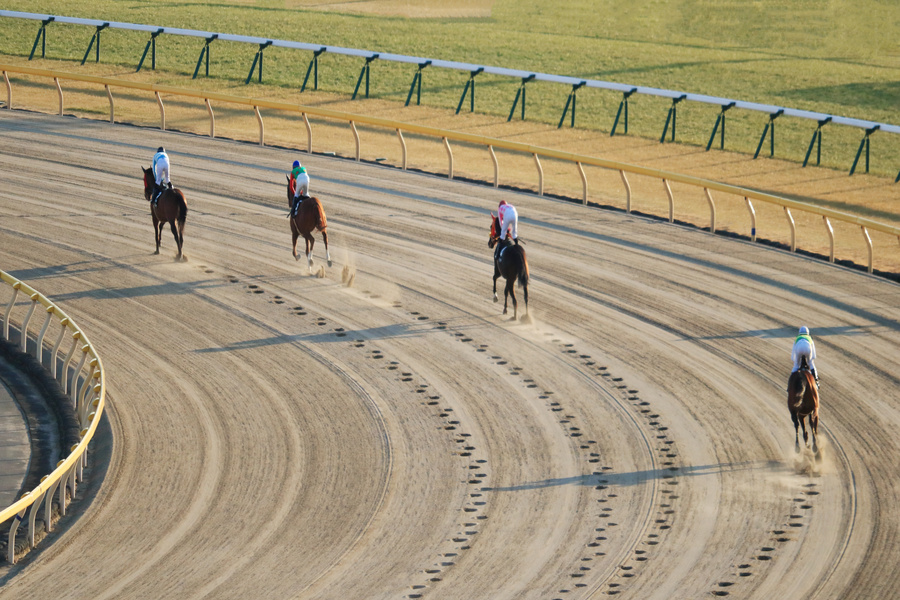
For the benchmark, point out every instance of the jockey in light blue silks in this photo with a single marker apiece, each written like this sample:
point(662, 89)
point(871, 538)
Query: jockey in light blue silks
point(804, 346)
point(160, 171)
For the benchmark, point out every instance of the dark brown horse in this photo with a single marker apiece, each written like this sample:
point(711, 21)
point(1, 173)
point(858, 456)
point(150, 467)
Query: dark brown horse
point(511, 263)
point(803, 402)
point(307, 217)
point(169, 208)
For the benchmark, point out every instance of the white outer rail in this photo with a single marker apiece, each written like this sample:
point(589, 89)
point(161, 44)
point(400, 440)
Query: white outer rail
point(86, 387)
point(491, 143)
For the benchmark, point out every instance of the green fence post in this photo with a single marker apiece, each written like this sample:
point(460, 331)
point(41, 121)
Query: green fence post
point(623, 105)
point(719, 119)
point(364, 71)
point(95, 37)
point(205, 52)
point(469, 83)
point(672, 116)
point(864, 143)
point(771, 124)
point(570, 100)
point(42, 38)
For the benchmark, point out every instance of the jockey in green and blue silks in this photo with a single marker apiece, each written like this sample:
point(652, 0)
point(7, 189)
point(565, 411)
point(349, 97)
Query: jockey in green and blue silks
point(804, 346)
point(300, 179)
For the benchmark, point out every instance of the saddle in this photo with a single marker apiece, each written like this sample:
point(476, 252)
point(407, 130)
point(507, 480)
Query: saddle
point(296, 208)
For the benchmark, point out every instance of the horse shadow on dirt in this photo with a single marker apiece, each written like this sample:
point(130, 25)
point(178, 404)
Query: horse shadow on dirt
point(640, 477)
point(370, 335)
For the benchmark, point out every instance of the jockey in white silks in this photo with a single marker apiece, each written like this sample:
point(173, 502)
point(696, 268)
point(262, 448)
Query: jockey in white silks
point(804, 346)
point(509, 220)
point(160, 171)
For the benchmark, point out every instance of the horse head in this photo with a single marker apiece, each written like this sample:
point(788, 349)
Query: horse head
point(148, 181)
point(495, 227)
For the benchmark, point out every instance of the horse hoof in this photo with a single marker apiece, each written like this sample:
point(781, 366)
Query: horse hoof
point(496, 299)
point(157, 252)
point(296, 257)
point(329, 262)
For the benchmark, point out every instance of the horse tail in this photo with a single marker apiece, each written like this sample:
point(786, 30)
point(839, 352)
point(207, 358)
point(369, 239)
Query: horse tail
point(182, 210)
point(523, 272)
point(799, 390)
point(322, 223)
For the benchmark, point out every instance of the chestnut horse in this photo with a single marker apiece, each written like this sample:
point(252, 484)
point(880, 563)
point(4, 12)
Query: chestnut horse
point(511, 263)
point(169, 208)
point(803, 402)
point(304, 219)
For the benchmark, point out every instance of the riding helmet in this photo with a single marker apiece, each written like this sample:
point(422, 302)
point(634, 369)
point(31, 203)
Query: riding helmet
point(296, 163)
point(160, 149)
point(804, 330)
point(502, 202)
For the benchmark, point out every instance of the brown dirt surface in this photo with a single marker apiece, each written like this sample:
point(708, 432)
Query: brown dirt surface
point(383, 431)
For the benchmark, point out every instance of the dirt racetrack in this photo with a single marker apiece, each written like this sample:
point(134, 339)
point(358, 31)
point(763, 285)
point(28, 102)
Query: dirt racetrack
point(383, 432)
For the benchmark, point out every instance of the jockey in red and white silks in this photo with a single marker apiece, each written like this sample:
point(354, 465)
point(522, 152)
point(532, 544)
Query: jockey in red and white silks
point(509, 220)
point(804, 346)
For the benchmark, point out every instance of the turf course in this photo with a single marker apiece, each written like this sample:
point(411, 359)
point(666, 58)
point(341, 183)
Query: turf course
point(839, 57)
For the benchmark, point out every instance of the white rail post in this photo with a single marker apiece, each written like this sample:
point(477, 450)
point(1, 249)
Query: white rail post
point(712, 211)
point(11, 542)
point(39, 350)
point(212, 118)
point(627, 192)
point(496, 166)
point(308, 133)
point(34, 301)
point(403, 147)
point(540, 170)
point(73, 393)
point(790, 219)
point(8, 91)
point(262, 130)
point(162, 112)
point(752, 219)
point(449, 157)
point(65, 368)
point(671, 201)
point(55, 351)
point(584, 196)
point(830, 231)
point(355, 138)
point(62, 490)
point(868, 239)
point(33, 513)
point(9, 308)
point(59, 91)
point(48, 505)
point(112, 105)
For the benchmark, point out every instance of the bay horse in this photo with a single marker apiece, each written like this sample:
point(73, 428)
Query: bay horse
point(170, 208)
point(511, 263)
point(307, 217)
point(803, 402)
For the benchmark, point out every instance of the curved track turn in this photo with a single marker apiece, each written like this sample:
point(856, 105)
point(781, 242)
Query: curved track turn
point(382, 432)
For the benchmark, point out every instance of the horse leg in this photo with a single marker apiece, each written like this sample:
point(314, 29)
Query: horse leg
point(294, 236)
point(174, 228)
point(157, 232)
point(309, 246)
point(525, 292)
point(512, 292)
point(805, 434)
point(814, 427)
point(796, 432)
point(496, 276)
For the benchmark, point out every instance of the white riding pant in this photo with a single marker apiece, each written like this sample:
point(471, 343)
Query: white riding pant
point(161, 171)
point(509, 220)
point(302, 185)
point(803, 348)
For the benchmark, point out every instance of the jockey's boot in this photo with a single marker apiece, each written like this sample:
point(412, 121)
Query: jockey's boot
point(516, 241)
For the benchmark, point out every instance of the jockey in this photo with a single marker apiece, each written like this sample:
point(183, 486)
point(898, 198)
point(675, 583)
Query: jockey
point(161, 171)
point(804, 346)
point(509, 220)
point(300, 183)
